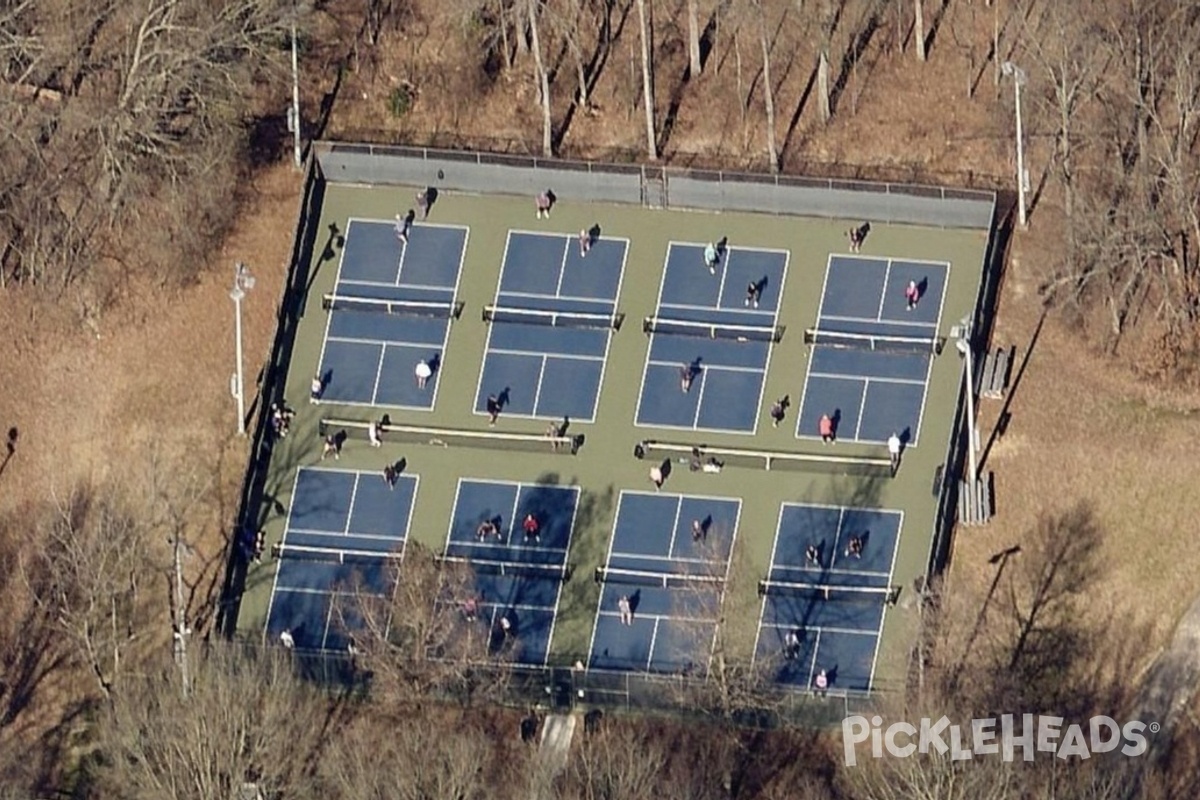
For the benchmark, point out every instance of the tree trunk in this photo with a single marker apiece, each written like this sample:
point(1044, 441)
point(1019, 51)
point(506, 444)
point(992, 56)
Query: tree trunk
point(768, 91)
point(823, 86)
point(647, 81)
point(543, 81)
point(693, 39)
point(919, 29)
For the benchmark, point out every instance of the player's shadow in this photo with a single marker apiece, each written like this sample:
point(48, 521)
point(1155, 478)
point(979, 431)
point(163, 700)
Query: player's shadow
point(400, 466)
point(10, 448)
point(431, 197)
point(922, 286)
point(594, 233)
point(434, 362)
point(635, 600)
point(722, 248)
point(504, 398)
point(665, 467)
point(761, 284)
point(905, 439)
point(836, 421)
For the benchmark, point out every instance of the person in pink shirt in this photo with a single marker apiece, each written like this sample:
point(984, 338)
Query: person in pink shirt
point(825, 426)
point(912, 294)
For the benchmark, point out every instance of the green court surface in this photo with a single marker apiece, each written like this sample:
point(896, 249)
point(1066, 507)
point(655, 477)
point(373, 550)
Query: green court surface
point(605, 465)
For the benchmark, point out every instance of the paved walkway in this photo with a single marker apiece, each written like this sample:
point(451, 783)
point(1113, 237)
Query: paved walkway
point(1170, 683)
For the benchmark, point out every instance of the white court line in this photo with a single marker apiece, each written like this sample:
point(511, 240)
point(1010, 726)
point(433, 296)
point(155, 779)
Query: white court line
point(862, 404)
point(837, 538)
point(662, 283)
point(378, 374)
point(838, 376)
point(912, 440)
point(718, 368)
point(664, 617)
point(675, 526)
point(869, 321)
point(537, 393)
point(762, 609)
point(329, 315)
point(562, 266)
point(691, 428)
point(462, 258)
point(676, 559)
point(508, 548)
point(400, 261)
point(512, 517)
point(883, 617)
point(345, 532)
point(487, 348)
point(724, 276)
point(887, 276)
point(558, 596)
point(573, 298)
point(813, 668)
point(693, 307)
point(762, 386)
point(747, 248)
point(700, 398)
point(737, 519)
point(811, 351)
point(608, 342)
point(819, 629)
point(543, 354)
point(607, 562)
point(653, 641)
point(278, 562)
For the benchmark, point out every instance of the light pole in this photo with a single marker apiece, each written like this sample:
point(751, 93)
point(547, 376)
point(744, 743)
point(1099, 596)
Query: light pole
point(1018, 75)
point(243, 282)
point(964, 347)
point(294, 111)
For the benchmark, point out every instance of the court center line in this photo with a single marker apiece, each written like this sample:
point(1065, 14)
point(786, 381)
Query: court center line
point(813, 669)
point(653, 641)
point(700, 399)
point(866, 386)
point(724, 275)
point(378, 375)
point(887, 276)
point(840, 376)
point(675, 525)
point(562, 267)
point(537, 395)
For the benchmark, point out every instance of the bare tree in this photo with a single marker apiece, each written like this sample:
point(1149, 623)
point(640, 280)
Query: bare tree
point(695, 67)
point(645, 28)
point(246, 720)
point(919, 28)
point(542, 78)
point(768, 86)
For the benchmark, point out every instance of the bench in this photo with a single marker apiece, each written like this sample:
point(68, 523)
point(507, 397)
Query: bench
point(993, 383)
point(975, 506)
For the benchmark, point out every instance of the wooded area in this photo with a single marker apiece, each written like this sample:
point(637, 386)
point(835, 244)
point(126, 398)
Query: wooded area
point(129, 130)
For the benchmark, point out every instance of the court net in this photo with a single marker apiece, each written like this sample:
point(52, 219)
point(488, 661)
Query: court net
point(713, 459)
point(452, 437)
point(918, 345)
point(328, 555)
point(714, 330)
point(662, 580)
point(883, 595)
point(553, 319)
point(508, 569)
point(411, 308)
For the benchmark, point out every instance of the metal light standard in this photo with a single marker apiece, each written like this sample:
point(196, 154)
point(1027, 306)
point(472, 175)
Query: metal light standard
point(964, 347)
point(243, 282)
point(1018, 75)
point(294, 110)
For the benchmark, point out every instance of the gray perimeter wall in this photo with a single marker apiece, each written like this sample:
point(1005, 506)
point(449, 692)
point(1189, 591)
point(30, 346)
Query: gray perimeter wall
point(656, 187)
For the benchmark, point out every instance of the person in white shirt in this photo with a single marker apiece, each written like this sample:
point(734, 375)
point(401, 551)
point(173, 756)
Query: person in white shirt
point(286, 639)
point(821, 684)
point(893, 445)
point(375, 434)
point(626, 609)
point(423, 373)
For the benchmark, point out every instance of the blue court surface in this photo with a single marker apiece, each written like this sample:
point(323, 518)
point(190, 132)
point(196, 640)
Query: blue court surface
point(551, 365)
point(346, 530)
point(529, 601)
point(838, 633)
point(872, 393)
point(659, 542)
point(369, 357)
point(727, 370)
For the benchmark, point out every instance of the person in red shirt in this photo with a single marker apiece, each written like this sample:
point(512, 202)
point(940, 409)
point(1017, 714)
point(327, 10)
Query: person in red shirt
point(825, 426)
point(912, 294)
point(532, 528)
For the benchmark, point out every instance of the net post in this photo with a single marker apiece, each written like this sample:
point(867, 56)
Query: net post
point(762, 588)
point(598, 576)
point(648, 325)
point(485, 314)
